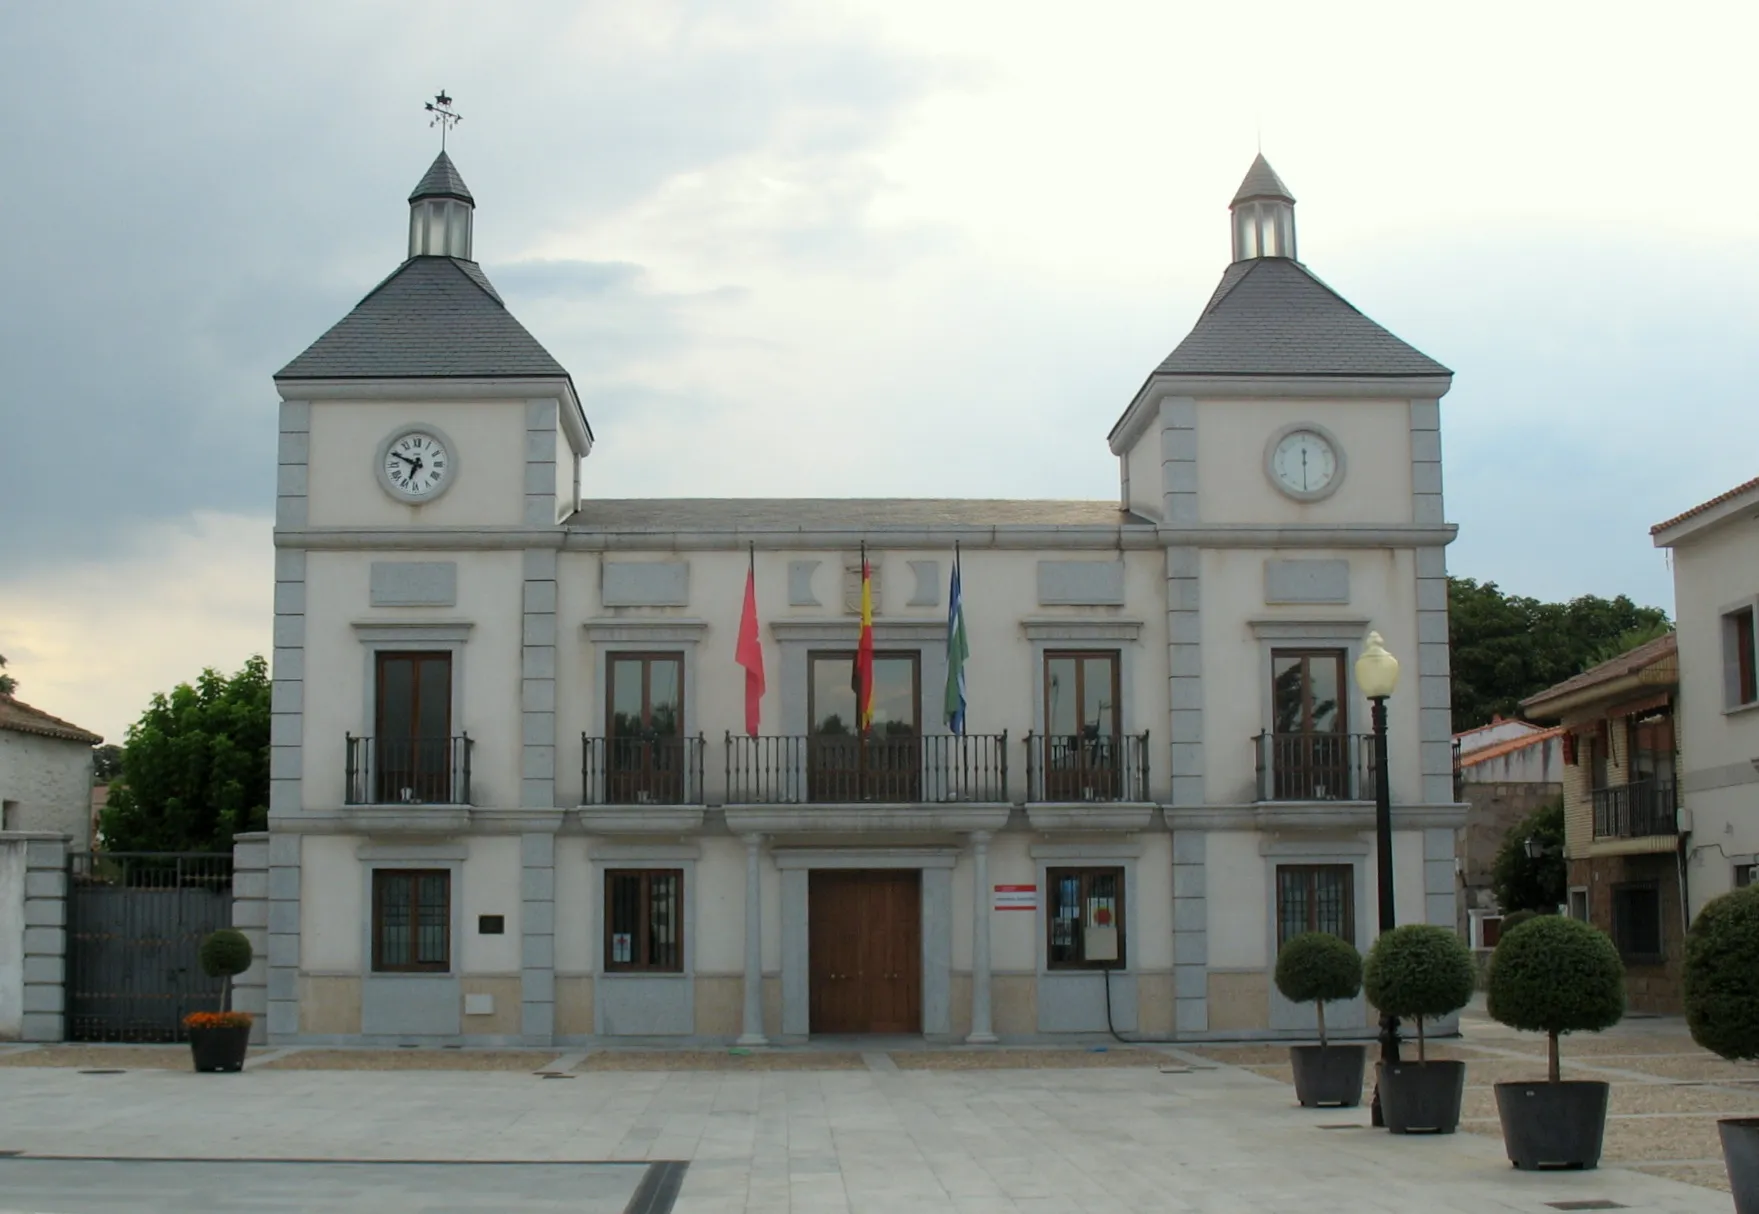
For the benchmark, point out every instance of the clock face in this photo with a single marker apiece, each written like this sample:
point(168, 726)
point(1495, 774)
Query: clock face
point(417, 465)
point(1304, 463)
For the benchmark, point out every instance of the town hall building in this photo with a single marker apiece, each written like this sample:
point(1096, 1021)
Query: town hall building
point(514, 795)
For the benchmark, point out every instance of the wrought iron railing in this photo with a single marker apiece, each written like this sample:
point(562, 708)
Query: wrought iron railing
point(1637, 809)
point(408, 771)
point(1079, 767)
point(641, 771)
point(841, 769)
point(1315, 766)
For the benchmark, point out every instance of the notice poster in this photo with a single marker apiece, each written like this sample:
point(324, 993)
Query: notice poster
point(621, 948)
point(1016, 897)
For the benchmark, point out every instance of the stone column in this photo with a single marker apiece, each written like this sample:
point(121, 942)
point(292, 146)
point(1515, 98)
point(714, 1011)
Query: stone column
point(250, 915)
point(44, 1004)
point(981, 1031)
point(753, 1021)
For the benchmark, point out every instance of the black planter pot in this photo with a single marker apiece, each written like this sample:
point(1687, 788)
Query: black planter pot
point(1328, 1074)
point(1421, 1097)
point(1740, 1152)
point(1553, 1125)
point(219, 1049)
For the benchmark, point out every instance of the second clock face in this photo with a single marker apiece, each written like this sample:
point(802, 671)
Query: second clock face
point(417, 465)
point(1304, 463)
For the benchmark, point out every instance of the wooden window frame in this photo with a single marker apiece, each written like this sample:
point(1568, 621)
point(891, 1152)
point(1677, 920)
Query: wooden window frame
point(913, 656)
point(1629, 955)
point(413, 966)
point(644, 930)
point(1740, 658)
point(1085, 873)
point(1080, 656)
point(1312, 871)
point(646, 658)
point(1338, 655)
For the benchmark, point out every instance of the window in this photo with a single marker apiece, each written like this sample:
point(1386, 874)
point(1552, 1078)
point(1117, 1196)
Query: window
point(1744, 875)
point(644, 921)
point(1310, 757)
point(1636, 922)
point(884, 765)
point(1085, 918)
point(8, 815)
point(1082, 759)
point(1579, 903)
point(644, 726)
point(1315, 898)
point(412, 920)
point(1740, 678)
point(413, 760)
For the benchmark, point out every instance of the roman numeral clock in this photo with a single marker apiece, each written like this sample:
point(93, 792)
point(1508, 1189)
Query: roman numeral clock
point(416, 464)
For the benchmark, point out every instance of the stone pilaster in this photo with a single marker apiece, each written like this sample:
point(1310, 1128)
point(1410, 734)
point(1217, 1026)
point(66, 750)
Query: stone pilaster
point(250, 915)
point(982, 1029)
point(537, 943)
point(1190, 931)
point(752, 1025)
point(45, 939)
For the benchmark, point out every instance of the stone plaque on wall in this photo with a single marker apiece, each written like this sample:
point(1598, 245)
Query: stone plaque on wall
point(414, 584)
point(852, 584)
point(645, 584)
point(1306, 581)
point(1081, 583)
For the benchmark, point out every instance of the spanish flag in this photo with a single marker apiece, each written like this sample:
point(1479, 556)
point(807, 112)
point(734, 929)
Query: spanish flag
point(864, 652)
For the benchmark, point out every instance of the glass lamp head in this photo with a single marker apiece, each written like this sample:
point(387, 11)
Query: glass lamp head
point(1377, 671)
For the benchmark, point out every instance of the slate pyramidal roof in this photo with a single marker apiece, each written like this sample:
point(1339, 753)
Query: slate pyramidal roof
point(1274, 316)
point(432, 318)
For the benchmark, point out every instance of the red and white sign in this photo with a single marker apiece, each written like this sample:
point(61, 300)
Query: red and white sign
point(1016, 897)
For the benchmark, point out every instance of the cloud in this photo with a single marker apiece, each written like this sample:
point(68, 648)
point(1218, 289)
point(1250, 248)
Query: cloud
point(92, 639)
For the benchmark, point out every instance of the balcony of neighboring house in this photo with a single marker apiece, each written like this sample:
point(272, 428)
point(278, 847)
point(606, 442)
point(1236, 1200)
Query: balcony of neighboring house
point(642, 781)
point(1642, 809)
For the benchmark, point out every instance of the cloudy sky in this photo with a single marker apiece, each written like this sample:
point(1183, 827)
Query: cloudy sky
point(887, 248)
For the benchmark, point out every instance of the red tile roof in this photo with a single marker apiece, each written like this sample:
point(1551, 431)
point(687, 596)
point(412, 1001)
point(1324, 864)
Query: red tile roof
point(19, 717)
point(1627, 663)
point(1497, 750)
point(1712, 504)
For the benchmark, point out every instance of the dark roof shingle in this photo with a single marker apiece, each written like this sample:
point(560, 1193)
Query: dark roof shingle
point(442, 180)
point(1274, 316)
point(434, 317)
point(1627, 663)
point(1261, 181)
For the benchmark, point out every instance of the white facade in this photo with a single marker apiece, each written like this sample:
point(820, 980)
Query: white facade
point(511, 600)
point(45, 779)
point(1715, 549)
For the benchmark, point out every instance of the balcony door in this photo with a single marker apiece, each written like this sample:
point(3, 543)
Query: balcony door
point(412, 730)
point(1309, 727)
point(644, 729)
point(1082, 753)
point(886, 765)
point(1651, 774)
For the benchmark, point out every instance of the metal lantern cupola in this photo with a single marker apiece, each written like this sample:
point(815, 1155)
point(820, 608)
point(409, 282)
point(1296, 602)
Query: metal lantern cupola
point(1263, 215)
point(440, 213)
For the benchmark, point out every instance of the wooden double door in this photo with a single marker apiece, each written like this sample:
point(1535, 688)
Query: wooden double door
point(865, 942)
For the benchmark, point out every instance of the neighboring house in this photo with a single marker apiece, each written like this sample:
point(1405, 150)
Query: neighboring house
point(513, 796)
point(1507, 769)
point(1622, 839)
point(45, 773)
point(1715, 551)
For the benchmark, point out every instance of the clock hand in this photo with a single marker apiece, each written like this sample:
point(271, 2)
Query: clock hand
point(406, 459)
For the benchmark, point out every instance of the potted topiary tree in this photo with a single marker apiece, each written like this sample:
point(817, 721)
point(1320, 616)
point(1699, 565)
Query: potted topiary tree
point(1722, 1010)
point(1554, 975)
point(1319, 968)
point(1419, 972)
point(219, 1040)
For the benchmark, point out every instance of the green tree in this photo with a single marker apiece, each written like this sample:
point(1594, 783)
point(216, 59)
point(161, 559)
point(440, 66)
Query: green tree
point(195, 770)
point(106, 763)
point(8, 684)
point(1522, 883)
point(1507, 647)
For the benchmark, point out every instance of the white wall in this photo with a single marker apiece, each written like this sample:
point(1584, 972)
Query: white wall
point(1375, 436)
point(50, 779)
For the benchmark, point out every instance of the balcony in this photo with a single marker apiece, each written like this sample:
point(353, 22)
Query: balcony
point(936, 769)
point(1315, 766)
point(1088, 782)
point(390, 777)
point(1640, 809)
point(641, 771)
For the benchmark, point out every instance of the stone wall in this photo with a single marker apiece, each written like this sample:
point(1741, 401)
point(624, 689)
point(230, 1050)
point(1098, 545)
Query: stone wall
point(1495, 810)
point(46, 785)
point(1649, 987)
point(33, 935)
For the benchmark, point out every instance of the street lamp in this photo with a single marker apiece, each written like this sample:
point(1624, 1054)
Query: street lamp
point(1377, 674)
point(1535, 849)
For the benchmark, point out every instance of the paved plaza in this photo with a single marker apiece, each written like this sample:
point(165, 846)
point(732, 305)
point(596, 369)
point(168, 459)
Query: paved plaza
point(1160, 1129)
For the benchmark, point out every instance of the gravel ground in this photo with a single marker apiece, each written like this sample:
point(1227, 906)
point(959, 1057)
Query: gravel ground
point(412, 1060)
point(1712, 1175)
point(1025, 1060)
point(721, 1060)
point(101, 1057)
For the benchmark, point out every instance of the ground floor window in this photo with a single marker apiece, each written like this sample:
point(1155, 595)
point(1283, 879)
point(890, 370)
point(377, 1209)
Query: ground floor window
point(1579, 903)
point(644, 920)
point(1636, 922)
point(412, 920)
point(1315, 898)
point(1085, 914)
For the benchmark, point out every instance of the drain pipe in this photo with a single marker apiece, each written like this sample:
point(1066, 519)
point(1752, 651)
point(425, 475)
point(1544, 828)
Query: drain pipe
point(1134, 1038)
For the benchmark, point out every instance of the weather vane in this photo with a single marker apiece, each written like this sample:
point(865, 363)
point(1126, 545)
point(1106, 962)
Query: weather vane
point(443, 116)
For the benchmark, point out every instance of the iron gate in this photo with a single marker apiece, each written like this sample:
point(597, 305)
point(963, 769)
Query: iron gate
point(135, 924)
